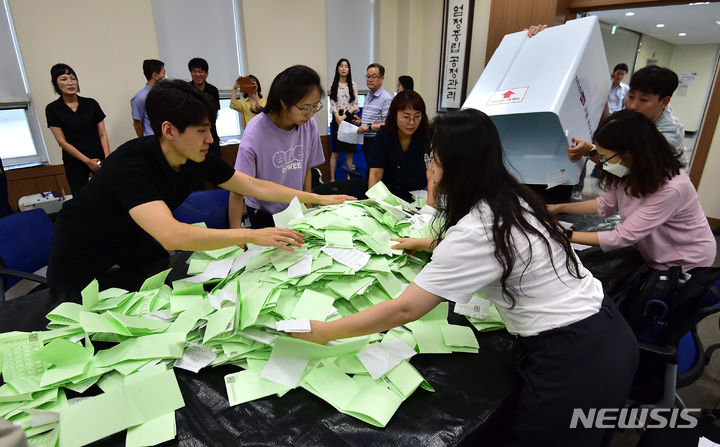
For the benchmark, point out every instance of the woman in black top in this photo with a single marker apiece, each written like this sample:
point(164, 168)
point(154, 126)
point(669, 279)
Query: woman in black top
point(397, 155)
point(78, 125)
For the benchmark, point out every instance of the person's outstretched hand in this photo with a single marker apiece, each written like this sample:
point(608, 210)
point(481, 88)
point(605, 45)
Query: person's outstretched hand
point(334, 199)
point(277, 237)
point(412, 244)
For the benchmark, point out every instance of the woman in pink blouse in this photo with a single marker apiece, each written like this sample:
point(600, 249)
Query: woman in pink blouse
point(659, 207)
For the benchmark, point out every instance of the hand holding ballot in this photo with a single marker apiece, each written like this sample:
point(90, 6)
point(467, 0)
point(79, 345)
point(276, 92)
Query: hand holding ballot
point(349, 133)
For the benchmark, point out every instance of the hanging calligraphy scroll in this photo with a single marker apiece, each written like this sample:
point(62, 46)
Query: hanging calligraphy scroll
point(457, 30)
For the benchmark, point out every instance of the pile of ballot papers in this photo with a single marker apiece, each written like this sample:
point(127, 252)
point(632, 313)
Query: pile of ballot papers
point(237, 307)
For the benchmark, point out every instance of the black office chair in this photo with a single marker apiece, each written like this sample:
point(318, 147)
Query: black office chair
point(25, 242)
point(354, 187)
point(677, 358)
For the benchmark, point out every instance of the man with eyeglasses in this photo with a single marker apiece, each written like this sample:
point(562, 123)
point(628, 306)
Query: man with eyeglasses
point(376, 105)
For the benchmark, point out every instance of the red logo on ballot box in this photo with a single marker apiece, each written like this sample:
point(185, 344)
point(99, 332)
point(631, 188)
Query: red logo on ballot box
point(507, 96)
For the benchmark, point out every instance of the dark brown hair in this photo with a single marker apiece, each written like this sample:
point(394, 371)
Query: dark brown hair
point(336, 81)
point(406, 99)
point(58, 70)
point(290, 86)
point(636, 139)
point(467, 146)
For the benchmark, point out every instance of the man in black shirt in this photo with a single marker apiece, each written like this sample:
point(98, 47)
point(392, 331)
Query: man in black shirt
point(199, 72)
point(124, 215)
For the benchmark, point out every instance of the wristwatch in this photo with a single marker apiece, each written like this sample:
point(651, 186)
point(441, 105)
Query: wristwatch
point(568, 233)
point(592, 152)
point(369, 127)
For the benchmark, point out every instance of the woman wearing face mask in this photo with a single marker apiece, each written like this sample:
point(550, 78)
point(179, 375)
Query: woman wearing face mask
point(78, 125)
point(644, 182)
point(396, 156)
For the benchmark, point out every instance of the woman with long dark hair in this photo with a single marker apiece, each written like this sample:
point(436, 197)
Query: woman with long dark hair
point(397, 154)
point(497, 238)
point(78, 125)
point(343, 99)
point(281, 144)
point(645, 183)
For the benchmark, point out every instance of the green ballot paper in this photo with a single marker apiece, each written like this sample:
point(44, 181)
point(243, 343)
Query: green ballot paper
point(153, 394)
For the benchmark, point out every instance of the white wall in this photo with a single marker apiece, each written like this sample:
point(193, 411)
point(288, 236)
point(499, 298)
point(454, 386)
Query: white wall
point(478, 44)
point(409, 42)
point(620, 47)
point(104, 42)
point(710, 181)
point(651, 48)
point(688, 101)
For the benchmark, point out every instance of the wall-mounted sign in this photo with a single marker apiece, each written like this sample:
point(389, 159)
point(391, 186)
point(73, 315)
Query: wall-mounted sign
point(457, 30)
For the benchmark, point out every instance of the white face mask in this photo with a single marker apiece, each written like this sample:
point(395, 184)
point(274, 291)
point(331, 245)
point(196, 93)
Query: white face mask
point(616, 169)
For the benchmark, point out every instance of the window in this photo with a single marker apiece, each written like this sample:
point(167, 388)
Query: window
point(19, 128)
point(228, 123)
point(17, 140)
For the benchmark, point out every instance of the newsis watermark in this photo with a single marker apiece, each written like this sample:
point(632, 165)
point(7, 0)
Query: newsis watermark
point(634, 418)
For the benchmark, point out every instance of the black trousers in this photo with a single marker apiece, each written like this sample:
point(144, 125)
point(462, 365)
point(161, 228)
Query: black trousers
point(259, 218)
point(558, 194)
point(588, 364)
point(74, 263)
point(77, 173)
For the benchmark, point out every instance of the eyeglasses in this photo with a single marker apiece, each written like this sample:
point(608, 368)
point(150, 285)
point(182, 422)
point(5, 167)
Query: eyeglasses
point(594, 152)
point(307, 108)
point(604, 160)
point(373, 76)
point(429, 159)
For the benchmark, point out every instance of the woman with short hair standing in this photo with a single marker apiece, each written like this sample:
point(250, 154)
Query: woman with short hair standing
point(78, 125)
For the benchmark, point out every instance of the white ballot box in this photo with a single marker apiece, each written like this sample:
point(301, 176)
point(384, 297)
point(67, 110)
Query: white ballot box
point(540, 92)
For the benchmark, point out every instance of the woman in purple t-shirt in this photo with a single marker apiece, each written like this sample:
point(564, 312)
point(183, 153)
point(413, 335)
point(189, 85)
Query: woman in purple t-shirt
point(659, 207)
point(281, 144)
